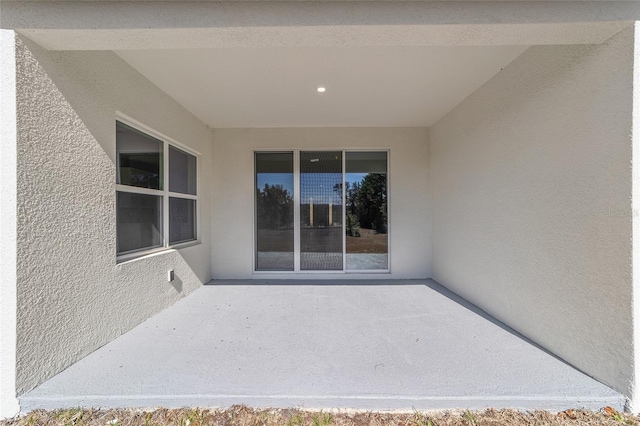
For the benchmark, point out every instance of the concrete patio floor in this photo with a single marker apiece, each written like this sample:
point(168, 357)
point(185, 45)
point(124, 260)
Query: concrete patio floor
point(376, 345)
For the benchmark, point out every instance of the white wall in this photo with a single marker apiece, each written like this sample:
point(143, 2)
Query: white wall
point(531, 185)
point(8, 224)
point(72, 296)
point(409, 204)
point(635, 208)
point(215, 24)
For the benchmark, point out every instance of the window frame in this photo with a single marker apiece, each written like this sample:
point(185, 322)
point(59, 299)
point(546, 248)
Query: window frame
point(164, 193)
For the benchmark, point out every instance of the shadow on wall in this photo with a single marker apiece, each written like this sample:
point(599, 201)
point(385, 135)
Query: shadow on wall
point(82, 90)
point(177, 284)
point(94, 85)
point(72, 296)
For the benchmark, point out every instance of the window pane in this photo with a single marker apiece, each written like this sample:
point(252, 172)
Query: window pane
point(182, 220)
point(139, 221)
point(139, 158)
point(274, 211)
point(321, 211)
point(366, 215)
point(182, 171)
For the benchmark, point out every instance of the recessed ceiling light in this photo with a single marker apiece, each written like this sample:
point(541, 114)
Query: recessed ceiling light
point(321, 89)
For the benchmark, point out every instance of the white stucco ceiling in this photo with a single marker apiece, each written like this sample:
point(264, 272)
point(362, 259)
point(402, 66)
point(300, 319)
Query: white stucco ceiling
point(375, 86)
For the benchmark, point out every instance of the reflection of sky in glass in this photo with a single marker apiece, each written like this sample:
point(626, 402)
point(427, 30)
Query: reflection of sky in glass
point(283, 179)
point(308, 182)
point(354, 177)
point(320, 188)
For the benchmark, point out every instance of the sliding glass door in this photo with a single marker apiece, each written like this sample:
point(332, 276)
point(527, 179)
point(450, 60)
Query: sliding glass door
point(274, 211)
point(321, 211)
point(321, 242)
point(367, 245)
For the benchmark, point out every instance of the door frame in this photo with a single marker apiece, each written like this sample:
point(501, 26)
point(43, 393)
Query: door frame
point(296, 214)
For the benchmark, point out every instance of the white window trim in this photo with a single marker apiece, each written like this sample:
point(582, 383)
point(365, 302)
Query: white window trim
point(164, 193)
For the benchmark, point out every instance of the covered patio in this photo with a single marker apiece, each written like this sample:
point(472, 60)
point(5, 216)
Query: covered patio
point(503, 137)
point(371, 345)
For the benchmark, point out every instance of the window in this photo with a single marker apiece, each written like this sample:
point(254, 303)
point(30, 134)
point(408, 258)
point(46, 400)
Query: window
point(156, 192)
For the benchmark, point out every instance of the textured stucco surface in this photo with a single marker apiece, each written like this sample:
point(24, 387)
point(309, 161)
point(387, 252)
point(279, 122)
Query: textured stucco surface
point(409, 205)
point(72, 296)
point(531, 184)
point(532, 179)
point(635, 204)
point(366, 345)
point(225, 14)
point(165, 24)
point(8, 228)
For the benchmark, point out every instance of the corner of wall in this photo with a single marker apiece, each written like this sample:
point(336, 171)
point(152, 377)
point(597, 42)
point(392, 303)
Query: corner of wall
point(634, 402)
point(8, 224)
point(429, 205)
point(523, 189)
point(212, 140)
point(66, 104)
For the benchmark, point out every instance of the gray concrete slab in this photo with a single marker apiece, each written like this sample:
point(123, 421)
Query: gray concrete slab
point(361, 345)
point(367, 261)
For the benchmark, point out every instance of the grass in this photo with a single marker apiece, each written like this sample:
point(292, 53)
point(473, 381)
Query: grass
point(244, 416)
point(369, 241)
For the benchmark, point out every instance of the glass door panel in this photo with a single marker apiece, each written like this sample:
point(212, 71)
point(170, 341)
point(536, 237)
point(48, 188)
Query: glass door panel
point(321, 230)
point(274, 211)
point(367, 245)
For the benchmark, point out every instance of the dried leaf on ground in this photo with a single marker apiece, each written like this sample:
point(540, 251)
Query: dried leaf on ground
point(244, 416)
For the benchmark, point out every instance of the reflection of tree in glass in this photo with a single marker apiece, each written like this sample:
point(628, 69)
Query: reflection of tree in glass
point(144, 180)
point(275, 207)
point(141, 170)
point(367, 204)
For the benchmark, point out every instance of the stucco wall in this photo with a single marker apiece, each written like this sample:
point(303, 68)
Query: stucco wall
point(8, 224)
point(72, 296)
point(409, 204)
point(635, 204)
point(531, 185)
point(213, 24)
